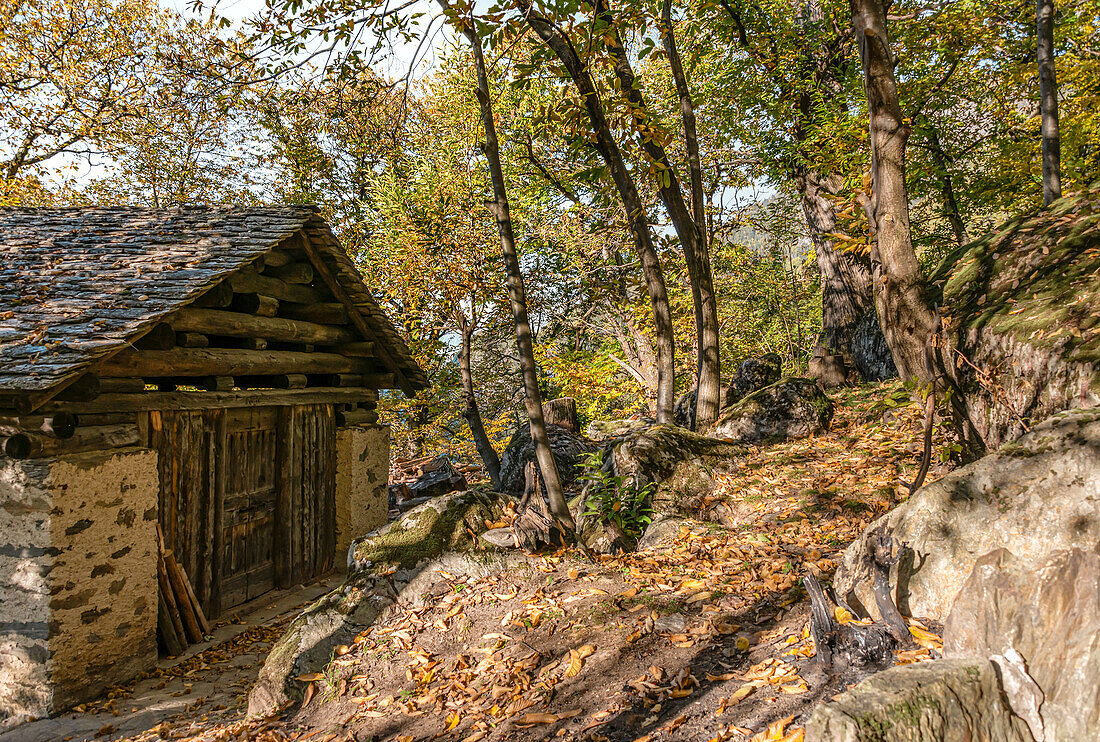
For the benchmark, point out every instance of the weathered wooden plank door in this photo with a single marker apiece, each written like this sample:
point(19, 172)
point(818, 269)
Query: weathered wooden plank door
point(247, 499)
point(306, 507)
point(248, 504)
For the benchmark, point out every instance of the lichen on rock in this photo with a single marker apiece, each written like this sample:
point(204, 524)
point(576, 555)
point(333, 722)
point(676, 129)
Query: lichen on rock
point(790, 408)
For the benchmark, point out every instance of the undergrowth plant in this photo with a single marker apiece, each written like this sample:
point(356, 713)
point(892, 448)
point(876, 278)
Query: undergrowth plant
point(615, 499)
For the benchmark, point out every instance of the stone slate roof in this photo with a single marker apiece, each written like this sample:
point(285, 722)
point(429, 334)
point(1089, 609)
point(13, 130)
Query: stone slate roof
point(76, 284)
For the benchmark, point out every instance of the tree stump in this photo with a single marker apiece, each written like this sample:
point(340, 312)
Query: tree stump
point(534, 525)
point(561, 412)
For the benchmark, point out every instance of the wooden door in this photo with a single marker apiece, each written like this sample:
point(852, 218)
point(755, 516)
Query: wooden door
point(247, 566)
point(247, 499)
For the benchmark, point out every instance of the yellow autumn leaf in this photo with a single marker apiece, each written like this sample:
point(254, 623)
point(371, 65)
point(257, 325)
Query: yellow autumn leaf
point(452, 721)
point(842, 615)
point(926, 639)
point(310, 677)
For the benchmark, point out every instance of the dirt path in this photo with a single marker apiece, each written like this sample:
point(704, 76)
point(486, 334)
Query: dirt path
point(205, 689)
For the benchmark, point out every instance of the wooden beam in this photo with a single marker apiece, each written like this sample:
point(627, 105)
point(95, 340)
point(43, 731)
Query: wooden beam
point(264, 306)
point(161, 337)
point(227, 362)
point(192, 340)
point(250, 282)
point(61, 425)
point(278, 258)
point(275, 381)
point(122, 386)
point(325, 313)
point(31, 446)
point(361, 349)
point(219, 296)
point(293, 273)
point(114, 403)
point(235, 324)
point(357, 318)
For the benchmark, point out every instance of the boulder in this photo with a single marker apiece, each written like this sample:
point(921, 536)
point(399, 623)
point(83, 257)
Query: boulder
point(1048, 614)
point(791, 408)
point(307, 644)
point(678, 463)
point(939, 701)
point(683, 413)
point(381, 566)
point(870, 353)
point(439, 478)
point(1025, 300)
point(568, 448)
point(1031, 497)
point(441, 524)
point(605, 430)
point(752, 375)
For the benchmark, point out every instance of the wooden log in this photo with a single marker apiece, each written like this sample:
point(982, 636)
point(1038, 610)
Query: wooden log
point(361, 349)
point(98, 419)
point(250, 282)
point(292, 273)
point(217, 383)
point(204, 624)
point(325, 313)
point(161, 337)
point(219, 296)
point(215, 400)
point(122, 386)
point(257, 304)
point(561, 412)
point(34, 446)
point(235, 324)
point(226, 362)
point(166, 628)
point(341, 380)
point(183, 599)
point(357, 318)
point(274, 381)
point(278, 258)
point(356, 417)
point(84, 389)
point(168, 595)
point(192, 340)
point(60, 425)
point(379, 381)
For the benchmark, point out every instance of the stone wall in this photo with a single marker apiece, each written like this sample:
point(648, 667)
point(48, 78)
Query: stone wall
point(362, 473)
point(78, 587)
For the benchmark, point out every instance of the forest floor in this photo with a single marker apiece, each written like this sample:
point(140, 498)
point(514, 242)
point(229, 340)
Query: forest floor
point(702, 638)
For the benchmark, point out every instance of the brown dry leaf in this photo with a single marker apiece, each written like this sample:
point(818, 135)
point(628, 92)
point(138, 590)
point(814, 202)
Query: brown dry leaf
point(310, 690)
point(723, 677)
point(310, 677)
point(676, 723)
point(534, 719)
point(795, 689)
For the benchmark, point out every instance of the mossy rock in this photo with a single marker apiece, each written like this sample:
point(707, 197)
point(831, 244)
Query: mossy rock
point(1024, 302)
point(441, 524)
point(791, 408)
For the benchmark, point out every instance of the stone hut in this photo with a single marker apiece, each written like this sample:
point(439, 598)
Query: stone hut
point(213, 372)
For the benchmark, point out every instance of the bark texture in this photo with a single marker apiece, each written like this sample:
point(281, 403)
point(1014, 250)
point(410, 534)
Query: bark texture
point(1048, 101)
point(632, 203)
point(470, 409)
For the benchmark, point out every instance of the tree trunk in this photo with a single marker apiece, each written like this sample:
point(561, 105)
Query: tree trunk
point(1048, 101)
point(900, 300)
point(470, 409)
point(516, 291)
point(632, 203)
point(904, 313)
point(709, 370)
point(947, 190)
point(845, 276)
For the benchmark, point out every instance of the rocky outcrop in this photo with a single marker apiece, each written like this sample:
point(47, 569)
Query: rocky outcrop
point(679, 463)
point(381, 565)
point(1050, 616)
point(441, 524)
point(605, 430)
point(683, 412)
point(870, 353)
point(792, 408)
point(1038, 494)
point(568, 448)
point(1025, 302)
point(752, 375)
point(941, 701)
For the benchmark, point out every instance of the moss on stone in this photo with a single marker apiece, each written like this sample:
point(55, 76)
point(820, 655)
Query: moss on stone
point(444, 524)
point(1036, 278)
